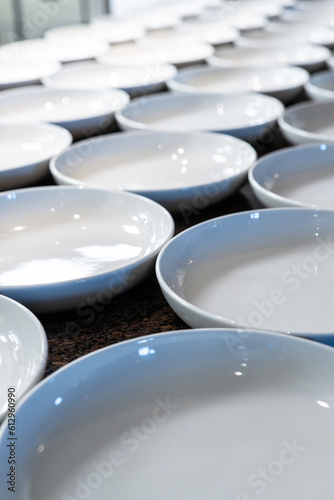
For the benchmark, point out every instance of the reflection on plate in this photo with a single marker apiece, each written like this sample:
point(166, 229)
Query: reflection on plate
point(282, 82)
point(23, 353)
point(241, 115)
point(135, 80)
point(173, 169)
point(63, 247)
point(300, 176)
point(203, 404)
point(308, 122)
point(13, 74)
point(321, 86)
point(270, 269)
point(307, 56)
point(81, 112)
point(26, 149)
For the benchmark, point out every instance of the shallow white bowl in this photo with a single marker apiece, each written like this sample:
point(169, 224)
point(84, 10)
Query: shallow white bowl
point(26, 149)
point(23, 352)
point(240, 18)
point(173, 169)
point(304, 32)
point(62, 247)
point(270, 269)
point(178, 54)
point(307, 56)
point(282, 82)
point(81, 112)
point(135, 80)
point(301, 176)
point(219, 401)
point(308, 122)
point(154, 18)
point(241, 115)
point(259, 39)
point(213, 32)
point(13, 74)
point(321, 86)
point(270, 9)
point(61, 50)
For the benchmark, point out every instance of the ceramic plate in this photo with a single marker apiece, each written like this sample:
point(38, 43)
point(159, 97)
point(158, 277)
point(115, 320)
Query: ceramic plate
point(154, 18)
point(135, 80)
point(270, 269)
point(321, 86)
point(179, 54)
point(25, 151)
point(62, 247)
point(215, 408)
point(259, 39)
point(304, 32)
point(298, 176)
point(241, 115)
point(213, 32)
point(61, 50)
point(270, 9)
point(308, 122)
point(23, 352)
point(240, 18)
point(307, 56)
point(79, 111)
point(19, 74)
point(283, 82)
point(173, 169)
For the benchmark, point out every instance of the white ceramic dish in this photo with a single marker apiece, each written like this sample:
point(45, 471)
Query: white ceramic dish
point(241, 115)
point(321, 86)
point(135, 80)
point(282, 82)
point(105, 27)
point(154, 18)
point(61, 50)
point(301, 176)
point(204, 400)
point(25, 151)
point(178, 54)
point(269, 269)
point(270, 9)
point(308, 56)
point(173, 169)
point(19, 74)
point(79, 111)
point(212, 32)
point(308, 122)
point(259, 39)
point(64, 246)
point(241, 19)
point(304, 32)
point(23, 353)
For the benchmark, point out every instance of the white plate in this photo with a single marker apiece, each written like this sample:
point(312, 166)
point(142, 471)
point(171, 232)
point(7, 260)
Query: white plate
point(240, 115)
point(25, 151)
point(23, 352)
point(179, 54)
point(301, 176)
point(270, 269)
point(79, 111)
point(258, 39)
point(308, 122)
point(321, 86)
point(215, 407)
point(213, 32)
point(304, 32)
point(282, 82)
point(173, 169)
point(14, 74)
point(307, 56)
point(154, 18)
point(270, 9)
point(105, 27)
point(135, 80)
point(242, 19)
point(40, 50)
point(62, 247)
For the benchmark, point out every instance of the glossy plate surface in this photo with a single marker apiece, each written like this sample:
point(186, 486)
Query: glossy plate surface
point(270, 269)
point(13, 74)
point(213, 32)
point(23, 352)
point(300, 176)
point(282, 82)
point(79, 111)
point(64, 246)
point(320, 87)
point(170, 168)
point(26, 149)
point(134, 80)
point(214, 406)
point(242, 115)
point(308, 122)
